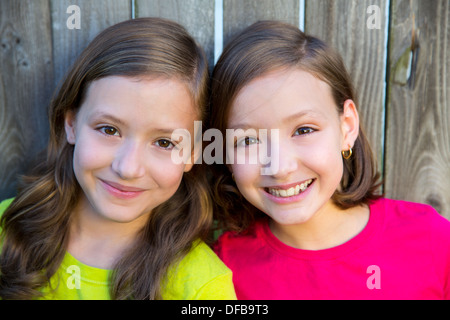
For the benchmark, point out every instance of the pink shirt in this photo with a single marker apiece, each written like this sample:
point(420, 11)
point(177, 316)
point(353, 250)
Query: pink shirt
point(402, 253)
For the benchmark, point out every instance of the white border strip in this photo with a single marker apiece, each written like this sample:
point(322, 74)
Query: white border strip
point(385, 85)
point(301, 14)
point(218, 29)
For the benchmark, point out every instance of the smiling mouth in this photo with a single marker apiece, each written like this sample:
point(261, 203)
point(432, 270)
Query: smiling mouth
point(292, 191)
point(116, 187)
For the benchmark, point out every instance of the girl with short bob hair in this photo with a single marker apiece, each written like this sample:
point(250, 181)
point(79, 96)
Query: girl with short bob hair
point(315, 227)
point(108, 215)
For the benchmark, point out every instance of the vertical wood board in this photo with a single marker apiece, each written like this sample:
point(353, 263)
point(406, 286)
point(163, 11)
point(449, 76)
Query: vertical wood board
point(239, 14)
point(197, 16)
point(95, 16)
point(26, 80)
point(418, 114)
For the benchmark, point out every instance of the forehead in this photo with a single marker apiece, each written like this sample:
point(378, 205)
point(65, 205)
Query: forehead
point(280, 93)
point(143, 101)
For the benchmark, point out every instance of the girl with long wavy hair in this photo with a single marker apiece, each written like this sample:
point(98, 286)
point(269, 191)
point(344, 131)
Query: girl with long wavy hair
point(109, 214)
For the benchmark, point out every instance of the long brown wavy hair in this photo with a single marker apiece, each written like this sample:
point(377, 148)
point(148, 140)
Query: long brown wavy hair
point(263, 47)
point(36, 225)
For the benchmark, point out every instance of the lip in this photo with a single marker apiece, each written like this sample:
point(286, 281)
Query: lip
point(120, 191)
point(287, 186)
point(285, 200)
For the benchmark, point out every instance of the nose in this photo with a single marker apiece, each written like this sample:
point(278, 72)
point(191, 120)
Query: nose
point(283, 161)
point(129, 160)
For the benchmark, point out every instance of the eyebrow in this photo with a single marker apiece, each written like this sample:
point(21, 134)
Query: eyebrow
point(120, 122)
point(108, 117)
point(297, 115)
point(163, 131)
point(303, 113)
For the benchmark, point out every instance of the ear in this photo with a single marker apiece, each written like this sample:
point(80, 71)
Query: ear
point(349, 124)
point(69, 126)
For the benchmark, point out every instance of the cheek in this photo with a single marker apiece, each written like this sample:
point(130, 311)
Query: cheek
point(86, 161)
point(166, 174)
point(89, 156)
point(327, 163)
point(245, 175)
point(247, 178)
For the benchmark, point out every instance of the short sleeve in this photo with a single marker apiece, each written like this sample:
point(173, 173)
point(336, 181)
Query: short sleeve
point(199, 275)
point(220, 288)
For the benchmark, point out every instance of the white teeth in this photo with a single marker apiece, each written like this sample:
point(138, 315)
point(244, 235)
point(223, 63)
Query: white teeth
point(293, 191)
point(290, 192)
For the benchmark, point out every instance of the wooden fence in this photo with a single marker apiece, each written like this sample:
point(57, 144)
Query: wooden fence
point(397, 52)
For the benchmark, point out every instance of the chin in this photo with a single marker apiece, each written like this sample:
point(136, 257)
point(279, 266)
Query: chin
point(290, 219)
point(121, 214)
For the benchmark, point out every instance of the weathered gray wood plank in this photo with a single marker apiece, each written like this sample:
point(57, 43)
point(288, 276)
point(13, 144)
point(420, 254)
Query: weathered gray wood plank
point(95, 16)
point(238, 14)
point(197, 16)
point(418, 126)
point(26, 82)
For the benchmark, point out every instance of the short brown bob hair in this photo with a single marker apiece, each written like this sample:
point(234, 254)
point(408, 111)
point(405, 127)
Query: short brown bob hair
point(267, 46)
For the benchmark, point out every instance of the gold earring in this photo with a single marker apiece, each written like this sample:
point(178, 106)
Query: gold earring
point(232, 177)
point(346, 154)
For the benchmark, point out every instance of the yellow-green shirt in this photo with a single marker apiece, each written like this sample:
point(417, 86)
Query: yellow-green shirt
point(199, 275)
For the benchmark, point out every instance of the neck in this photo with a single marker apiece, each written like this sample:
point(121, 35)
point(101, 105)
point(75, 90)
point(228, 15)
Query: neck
point(99, 242)
point(328, 228)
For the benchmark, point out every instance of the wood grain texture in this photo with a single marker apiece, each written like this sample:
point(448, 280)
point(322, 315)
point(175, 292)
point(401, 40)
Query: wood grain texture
point(197, 16)
point(95, 16)
point(418, 113)
point(343, 25)
point(238, 14)
point(26, 81)
point(36, 50)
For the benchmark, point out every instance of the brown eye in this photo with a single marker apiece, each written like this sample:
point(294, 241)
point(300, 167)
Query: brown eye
point(303, 130)
point(164, 143)
point(110, 131)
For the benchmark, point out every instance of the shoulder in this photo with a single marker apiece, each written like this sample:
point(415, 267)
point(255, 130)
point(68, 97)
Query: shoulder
point(402, 207)
point(409, 212)
point(233, 248)
point(230, 239)
point(201, 255)
point(426, 231)
point(418, 220)
point(199, 275)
